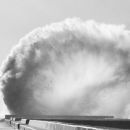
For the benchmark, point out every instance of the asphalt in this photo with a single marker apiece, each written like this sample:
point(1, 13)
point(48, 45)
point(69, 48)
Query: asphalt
point(5, 126)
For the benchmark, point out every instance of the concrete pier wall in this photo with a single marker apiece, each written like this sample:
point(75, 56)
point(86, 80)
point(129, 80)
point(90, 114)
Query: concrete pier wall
point(66, 123)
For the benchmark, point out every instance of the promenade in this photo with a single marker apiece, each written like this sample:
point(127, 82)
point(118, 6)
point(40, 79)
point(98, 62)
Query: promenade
point(46, 122)
point(5, 126)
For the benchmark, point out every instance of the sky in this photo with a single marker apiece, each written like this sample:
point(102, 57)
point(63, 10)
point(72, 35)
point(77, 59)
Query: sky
point(18, 17)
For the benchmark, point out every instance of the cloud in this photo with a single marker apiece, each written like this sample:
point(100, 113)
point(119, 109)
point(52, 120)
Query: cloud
point(72, 67)
point(3, 108)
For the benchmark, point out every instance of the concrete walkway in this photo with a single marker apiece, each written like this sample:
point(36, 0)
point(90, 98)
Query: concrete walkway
point(5, 126)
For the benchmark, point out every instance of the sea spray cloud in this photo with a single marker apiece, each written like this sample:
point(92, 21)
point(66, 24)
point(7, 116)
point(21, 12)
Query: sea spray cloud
point(3, 108)
point(69, 68)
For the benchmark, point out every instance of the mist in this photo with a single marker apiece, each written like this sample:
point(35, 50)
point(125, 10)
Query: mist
point(73, 67)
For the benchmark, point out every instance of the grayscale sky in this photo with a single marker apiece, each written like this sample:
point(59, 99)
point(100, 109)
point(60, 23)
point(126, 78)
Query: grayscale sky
point(18, 17)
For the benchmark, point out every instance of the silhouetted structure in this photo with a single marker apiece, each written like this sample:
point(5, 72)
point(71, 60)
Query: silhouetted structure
point(95, 122)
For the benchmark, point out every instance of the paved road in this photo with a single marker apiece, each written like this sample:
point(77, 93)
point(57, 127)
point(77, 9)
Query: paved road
point(5, 126)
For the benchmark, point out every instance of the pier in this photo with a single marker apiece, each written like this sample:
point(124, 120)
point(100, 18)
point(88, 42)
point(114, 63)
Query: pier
point(29, 122)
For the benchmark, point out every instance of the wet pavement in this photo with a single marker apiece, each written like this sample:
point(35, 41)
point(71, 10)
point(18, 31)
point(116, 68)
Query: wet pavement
point(5, 126)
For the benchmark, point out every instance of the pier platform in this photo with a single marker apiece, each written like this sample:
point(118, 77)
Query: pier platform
point(27, 122)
